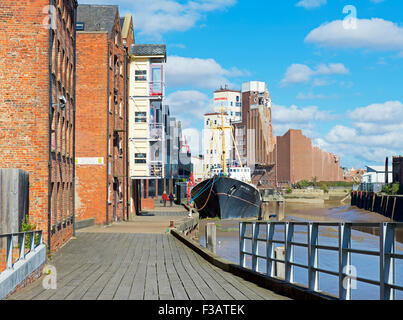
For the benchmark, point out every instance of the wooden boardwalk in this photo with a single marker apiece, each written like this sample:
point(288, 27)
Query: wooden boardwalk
point(122, 266)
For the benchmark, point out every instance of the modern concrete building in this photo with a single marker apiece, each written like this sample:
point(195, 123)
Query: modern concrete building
point(101, 147)
point(376, 174)
point(37, 107)
point(147, 141)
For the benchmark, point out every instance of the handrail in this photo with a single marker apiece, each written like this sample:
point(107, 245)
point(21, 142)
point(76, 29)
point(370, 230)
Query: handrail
point(386, 253)
point(21, 243)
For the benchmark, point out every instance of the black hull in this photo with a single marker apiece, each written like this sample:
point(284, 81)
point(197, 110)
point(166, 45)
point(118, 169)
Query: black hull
point(226, 198)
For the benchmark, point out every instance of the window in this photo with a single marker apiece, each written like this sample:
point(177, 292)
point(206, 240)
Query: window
point(140, 75)
point(156, 81)
point(237, 98)
point(140, 158)
point(141, 117)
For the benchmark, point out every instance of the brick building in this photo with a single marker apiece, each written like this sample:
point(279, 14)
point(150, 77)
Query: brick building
point(102, 101)
point(298, 160)
point(37, 106)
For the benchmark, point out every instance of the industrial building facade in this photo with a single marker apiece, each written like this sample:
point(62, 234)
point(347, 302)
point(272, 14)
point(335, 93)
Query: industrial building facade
point(37, 107)
point(298, 160)
point(102, 79)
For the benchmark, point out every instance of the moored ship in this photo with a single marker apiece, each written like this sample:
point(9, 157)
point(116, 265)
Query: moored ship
point(226, 198)
point(228, 193)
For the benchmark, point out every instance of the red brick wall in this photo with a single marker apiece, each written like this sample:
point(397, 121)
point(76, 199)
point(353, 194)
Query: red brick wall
point(24, 103)
point(283, 158)
point(298, 160)
point(91, 122)
point(117, 121)
point(317, 165)
point(301, 157)
point(24, 98)
point(100, 116)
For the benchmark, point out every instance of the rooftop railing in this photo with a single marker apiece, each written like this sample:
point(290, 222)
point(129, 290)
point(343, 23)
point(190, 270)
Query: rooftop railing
point(259, 242)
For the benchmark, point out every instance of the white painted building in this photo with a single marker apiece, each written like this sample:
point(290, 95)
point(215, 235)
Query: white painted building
point(230, 101)
point(198, 168)
point(376, 174)
point(146, 126)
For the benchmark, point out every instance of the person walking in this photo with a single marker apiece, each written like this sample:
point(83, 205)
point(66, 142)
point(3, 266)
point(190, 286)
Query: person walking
point(171, 198)
point(165, 198)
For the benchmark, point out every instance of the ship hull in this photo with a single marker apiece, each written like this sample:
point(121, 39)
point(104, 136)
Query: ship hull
point(226, 198)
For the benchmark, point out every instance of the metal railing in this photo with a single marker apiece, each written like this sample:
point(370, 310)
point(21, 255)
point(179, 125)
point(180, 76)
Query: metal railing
point(35, 239)
point(386, 253)
point(156, 131)
point(157, 88)
point(156, 169)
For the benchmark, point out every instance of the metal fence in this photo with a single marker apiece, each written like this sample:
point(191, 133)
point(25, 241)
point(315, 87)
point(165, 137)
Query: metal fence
point(256, 233)
point(35, 239)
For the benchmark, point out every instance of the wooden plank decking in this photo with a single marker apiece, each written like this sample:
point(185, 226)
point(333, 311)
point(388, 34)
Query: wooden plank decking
point(125, 266)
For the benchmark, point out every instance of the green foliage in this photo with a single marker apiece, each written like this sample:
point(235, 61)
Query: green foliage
point(393, 188)
point(303, 184)
point(325, 188)
point(27, 226)
point(289, 190)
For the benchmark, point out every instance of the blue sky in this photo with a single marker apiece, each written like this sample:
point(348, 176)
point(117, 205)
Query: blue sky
point(338, 80)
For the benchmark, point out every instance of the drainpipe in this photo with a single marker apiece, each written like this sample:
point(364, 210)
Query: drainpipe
point(50, 133)
point(107, 134)
point(74, 121)
point(127, 130)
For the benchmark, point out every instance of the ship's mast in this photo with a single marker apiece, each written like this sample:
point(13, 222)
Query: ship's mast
point(223, 159)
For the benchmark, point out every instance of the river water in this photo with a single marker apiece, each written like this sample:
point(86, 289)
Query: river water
point(364, 238)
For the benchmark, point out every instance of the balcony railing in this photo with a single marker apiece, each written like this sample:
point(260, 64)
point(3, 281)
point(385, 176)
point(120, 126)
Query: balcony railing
point(157, 88)
point(157, 131)
point(156, 169)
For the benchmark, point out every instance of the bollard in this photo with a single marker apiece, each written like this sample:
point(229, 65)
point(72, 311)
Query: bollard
point(281, 210)
point(280, 267)
point(211, 237)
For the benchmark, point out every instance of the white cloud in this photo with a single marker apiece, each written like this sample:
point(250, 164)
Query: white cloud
point(301, 73)
point(156, 17)
point(382, 113)
point(310, 96)
point(375, 132)
point(294, 117)
point(198, 73)
point(375, 34)
point(309, 4)
point(189, 104)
